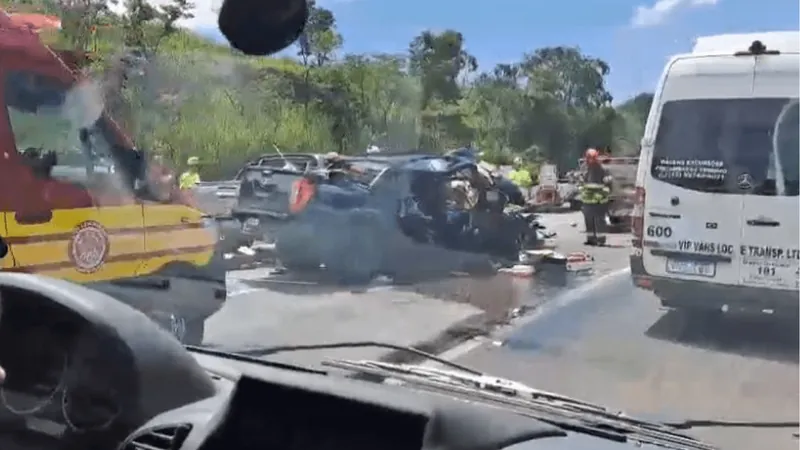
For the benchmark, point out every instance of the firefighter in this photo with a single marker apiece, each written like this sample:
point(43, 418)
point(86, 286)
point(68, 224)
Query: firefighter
point(190, 178)
point(594, 194)
point(520, 175)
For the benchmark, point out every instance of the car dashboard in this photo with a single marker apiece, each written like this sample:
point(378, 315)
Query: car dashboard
point(273, 408)
point(86, 372)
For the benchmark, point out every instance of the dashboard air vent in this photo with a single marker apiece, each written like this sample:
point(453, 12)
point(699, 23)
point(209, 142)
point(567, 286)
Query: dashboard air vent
point(168, 437)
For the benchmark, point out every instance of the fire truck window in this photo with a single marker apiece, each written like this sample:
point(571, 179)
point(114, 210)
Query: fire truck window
point(48, 119)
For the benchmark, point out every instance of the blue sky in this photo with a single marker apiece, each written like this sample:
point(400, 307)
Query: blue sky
point(634, 36)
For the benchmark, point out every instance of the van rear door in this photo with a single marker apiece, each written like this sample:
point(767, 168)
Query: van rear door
point(769, 251)
point(692, 216)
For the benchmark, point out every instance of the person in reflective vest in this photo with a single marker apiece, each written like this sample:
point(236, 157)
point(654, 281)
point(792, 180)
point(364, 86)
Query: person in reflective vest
point(520, 175)
point(594, 194)
point(191, 177)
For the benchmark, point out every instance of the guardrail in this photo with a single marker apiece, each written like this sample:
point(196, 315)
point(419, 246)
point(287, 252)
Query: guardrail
point(210, 186)
point(213, 183)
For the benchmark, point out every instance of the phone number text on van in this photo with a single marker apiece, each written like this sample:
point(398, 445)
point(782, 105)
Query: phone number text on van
point(677, 169)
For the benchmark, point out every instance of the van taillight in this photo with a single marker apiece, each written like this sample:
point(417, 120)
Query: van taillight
point(637, 217)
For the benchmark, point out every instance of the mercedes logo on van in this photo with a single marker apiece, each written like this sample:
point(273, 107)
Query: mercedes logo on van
point(745, 181)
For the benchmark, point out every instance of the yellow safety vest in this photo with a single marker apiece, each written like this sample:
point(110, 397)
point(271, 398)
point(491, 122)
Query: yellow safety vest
point(521, 178)
point(594, 193)
point(189, 180)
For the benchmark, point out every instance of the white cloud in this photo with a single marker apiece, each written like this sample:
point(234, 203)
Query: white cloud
point(650, 16)
point(205, 12)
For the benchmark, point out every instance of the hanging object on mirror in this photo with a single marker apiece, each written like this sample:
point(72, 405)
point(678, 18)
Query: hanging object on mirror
point(262, 27)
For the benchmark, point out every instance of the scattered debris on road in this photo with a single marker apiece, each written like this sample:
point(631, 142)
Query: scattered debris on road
point(519, 270)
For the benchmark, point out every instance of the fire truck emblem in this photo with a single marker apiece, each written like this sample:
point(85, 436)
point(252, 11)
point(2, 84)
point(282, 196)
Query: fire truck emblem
point(89, 247)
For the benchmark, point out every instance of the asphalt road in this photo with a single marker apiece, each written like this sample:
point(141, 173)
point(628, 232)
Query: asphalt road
point(549, 282)
point(592, 336)
point(263, 311)
point(610, 343)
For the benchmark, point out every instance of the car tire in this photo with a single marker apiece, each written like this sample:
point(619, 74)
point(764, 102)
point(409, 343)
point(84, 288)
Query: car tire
point(295, 252)
point(362, 259)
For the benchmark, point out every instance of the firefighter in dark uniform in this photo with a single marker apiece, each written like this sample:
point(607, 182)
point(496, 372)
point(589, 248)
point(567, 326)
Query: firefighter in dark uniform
point(594, 193)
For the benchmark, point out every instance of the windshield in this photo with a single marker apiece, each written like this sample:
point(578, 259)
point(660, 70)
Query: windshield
point(153, 169)
point(707, 145)
point(48, 116)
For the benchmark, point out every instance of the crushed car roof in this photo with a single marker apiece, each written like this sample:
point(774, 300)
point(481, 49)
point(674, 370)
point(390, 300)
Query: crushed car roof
point(415, 162)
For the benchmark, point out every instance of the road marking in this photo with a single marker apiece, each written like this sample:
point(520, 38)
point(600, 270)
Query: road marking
point(293, 282)
point(242, 290)
point(563, 300)
point(459, 350)
point(238, 286)
point(569, 297)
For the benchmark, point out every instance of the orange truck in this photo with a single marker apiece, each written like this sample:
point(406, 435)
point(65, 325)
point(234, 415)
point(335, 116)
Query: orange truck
point(77, 202)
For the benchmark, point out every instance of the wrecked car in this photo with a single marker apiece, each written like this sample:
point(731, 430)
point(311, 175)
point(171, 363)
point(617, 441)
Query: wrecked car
point(366, 221)
point(262, 191)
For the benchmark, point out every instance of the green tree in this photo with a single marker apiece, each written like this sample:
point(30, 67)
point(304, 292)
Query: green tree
point(438, 60)
point(202, 99)
point(320, 40)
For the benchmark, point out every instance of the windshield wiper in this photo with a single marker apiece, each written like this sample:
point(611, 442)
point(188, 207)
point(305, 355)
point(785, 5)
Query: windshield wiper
point(234, 356)
point(414, 352)
point(568, 413)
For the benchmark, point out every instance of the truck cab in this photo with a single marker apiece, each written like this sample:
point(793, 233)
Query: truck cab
point(75, 200)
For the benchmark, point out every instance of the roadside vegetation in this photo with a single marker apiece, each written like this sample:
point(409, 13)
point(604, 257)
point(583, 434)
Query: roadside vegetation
point(183, 95)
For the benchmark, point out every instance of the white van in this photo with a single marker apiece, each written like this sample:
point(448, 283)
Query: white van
point(715, 223)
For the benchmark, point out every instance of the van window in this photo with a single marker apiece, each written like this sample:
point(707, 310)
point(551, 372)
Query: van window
point(730, 146)
point(52, 132)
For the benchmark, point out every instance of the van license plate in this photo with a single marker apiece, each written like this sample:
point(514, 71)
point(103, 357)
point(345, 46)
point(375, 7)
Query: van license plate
point(694, 268)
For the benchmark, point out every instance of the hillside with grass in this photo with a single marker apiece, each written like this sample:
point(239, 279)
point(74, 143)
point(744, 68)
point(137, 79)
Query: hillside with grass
point(182, 95)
